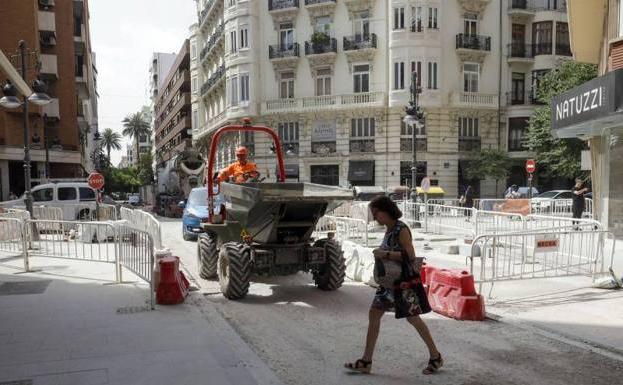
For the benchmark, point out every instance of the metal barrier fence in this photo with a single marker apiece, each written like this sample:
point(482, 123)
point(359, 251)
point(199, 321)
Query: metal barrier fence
point(345, 229)
point(143, 221)
point(540, 206)
point(12, 239)
point(541, 254)
point(135, 251)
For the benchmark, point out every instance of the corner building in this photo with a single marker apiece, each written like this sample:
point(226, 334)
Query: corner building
point(333, 77)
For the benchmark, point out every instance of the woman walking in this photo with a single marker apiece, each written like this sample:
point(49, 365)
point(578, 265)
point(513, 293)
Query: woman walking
point(407, 298)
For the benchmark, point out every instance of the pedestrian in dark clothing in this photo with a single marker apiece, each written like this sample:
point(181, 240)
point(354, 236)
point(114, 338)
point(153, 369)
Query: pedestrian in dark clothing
point(468, 201)
point(579, 191)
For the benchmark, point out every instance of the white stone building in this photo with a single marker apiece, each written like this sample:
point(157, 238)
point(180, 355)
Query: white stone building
point(333, 77)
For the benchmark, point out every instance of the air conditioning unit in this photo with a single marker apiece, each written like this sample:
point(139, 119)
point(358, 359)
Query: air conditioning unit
point(46, 4)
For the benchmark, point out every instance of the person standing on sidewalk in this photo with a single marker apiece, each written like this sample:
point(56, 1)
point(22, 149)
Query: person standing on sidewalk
point(468, 201)
point(579, 191)
point(407, 298)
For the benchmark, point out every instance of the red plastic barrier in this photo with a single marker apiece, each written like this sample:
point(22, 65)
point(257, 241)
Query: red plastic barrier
point(453, 294)
point(426, 273)
point(173, 285)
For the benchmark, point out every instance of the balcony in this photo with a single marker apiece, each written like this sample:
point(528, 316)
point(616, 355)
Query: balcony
point(323, 148)
point(469, 144)
point(474, 6)
point(49, 67)
point(213, 80)
point(563, 49)
point(360, 47)
point(209, 12)
point(284, 56)
point(317, 8)
point(416, 25)
point(324, 103)
point(52, 109)
point(421, 144)
point(521, 10)
point(321, 53)
point(216, 38)
point(527, 98)
point(283, 10)
point(520, 53)
point(474, 100)
point(361, 145)
point(47, 21)
point(472, 48)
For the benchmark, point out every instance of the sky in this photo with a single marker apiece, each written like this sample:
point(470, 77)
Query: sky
point(124, 34)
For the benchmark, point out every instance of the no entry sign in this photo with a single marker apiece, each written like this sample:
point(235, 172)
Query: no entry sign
point(530, 166)
point(96, 180)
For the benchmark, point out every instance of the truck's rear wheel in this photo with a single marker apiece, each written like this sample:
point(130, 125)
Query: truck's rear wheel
point(234, 269)
point(331, 274)
point(207, 255)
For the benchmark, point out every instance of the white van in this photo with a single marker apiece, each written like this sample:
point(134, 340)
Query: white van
point(76, 199)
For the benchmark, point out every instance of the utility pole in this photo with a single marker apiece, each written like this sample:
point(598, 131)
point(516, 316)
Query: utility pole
point(414, 119)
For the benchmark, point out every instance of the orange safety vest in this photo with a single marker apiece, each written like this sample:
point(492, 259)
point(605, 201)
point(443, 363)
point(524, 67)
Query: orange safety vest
point(237, 171)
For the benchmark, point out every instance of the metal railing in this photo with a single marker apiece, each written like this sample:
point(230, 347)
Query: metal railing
point(274, 5)
point(135, 252)
point(520, 50)
point(282, 51)
point(345, 229)
point(12, 240)
point(358, 42)
point(144, 221)
point(312, 48)
point(475, 42)
point(541, 254)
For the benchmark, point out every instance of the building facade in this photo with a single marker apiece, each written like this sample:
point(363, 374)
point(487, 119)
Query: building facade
point(172, 121)
point(333, 78)
point(61, 132)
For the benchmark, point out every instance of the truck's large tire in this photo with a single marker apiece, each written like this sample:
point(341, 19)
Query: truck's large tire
point(234, 269)
point(207, 256)
point(332, 272)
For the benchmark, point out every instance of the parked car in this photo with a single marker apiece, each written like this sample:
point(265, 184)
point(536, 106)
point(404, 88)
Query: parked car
point(76, 199)
point(134, 199)
point(196, 212)
point(523, 192)
point(552, 201)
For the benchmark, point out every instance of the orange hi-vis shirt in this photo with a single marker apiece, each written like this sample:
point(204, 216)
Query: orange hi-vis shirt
point(237, 171)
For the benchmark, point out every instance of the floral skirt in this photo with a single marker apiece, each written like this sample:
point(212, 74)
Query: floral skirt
point(408, 300)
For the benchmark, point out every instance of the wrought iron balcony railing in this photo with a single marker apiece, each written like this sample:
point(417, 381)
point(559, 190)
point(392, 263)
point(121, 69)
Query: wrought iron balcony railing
point(358, 42)
point(475, 42)
point(281, 51)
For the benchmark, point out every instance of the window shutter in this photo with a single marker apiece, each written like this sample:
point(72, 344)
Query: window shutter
point(616, 55)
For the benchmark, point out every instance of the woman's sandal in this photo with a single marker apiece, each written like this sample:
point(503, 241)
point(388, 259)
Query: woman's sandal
point(434, 364)
point(360, 366)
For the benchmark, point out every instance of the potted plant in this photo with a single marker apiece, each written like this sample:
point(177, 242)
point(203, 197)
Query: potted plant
point(320, 40)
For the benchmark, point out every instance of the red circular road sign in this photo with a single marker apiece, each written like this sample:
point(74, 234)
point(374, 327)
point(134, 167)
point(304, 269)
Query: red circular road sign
point(530, 166)
point(96, 180)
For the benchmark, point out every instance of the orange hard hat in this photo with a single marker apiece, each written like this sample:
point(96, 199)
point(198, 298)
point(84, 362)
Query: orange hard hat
point(242, 151)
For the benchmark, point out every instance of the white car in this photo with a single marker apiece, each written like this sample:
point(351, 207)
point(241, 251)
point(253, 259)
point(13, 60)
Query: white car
point(553, 201)
point(76, 199)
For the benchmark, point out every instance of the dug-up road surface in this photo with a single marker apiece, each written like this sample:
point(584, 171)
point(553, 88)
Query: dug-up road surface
point(305, 335)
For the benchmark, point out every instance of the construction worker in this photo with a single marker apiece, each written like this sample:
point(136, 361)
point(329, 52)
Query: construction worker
point(240, 171)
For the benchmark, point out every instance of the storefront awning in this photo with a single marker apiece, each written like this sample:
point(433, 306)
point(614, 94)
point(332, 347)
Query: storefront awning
point(361, 171)
point(589, 108)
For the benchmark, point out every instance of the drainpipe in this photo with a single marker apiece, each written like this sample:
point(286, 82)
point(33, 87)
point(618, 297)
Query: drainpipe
point(500, 34)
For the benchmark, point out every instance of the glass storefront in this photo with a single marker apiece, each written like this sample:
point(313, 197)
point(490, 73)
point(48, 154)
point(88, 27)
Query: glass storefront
point(614, 174)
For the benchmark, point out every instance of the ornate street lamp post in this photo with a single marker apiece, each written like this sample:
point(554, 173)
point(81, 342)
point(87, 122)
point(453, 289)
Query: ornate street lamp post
point(414, 119)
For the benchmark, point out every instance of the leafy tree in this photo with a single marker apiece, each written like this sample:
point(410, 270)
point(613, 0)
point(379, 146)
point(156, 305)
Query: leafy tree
point(557, 157)
point(145, 170)
point(489, 163)
point(124, 180)
point(136, 125)
point(111, 141)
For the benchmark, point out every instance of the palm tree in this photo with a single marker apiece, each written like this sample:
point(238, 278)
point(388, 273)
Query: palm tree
point(112, 141)
point(135, 126)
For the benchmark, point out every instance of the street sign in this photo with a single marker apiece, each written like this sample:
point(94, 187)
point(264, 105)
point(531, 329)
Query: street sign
point(546, 243)
point(425, 185)
point(96, 180)
point(530, 166)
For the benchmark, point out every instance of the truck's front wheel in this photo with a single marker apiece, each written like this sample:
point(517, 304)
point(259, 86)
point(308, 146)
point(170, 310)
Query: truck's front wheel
point(331, 274)
point(234, 269)
point(207, 255)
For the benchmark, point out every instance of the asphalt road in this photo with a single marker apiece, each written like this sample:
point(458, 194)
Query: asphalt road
point(305, 335)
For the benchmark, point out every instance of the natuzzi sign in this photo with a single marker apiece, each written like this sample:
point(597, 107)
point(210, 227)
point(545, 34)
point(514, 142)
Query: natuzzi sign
point(592, 100)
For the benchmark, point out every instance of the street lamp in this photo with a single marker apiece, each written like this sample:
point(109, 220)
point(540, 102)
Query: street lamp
point(413, 119)
point(11, 101)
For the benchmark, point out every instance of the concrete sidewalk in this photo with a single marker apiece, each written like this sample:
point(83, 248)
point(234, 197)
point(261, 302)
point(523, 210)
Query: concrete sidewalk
point(70, 324)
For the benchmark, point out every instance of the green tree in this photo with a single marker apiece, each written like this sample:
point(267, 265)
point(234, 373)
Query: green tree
point(557, 157)
point(123, 180)
point(136, 125)
point(489, 163)
point(145, 170)
point(111, 141)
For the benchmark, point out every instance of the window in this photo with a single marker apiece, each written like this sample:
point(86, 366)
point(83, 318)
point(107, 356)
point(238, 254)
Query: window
point(361, 78)
point(193, 51)
point(233, 42)
point(516, 130)
point(562, 39)
point(233, 91)
point(416, 21)
point(542, 38)
point(323, 25)
point(43, 195)
point(362, 128)
point(286, 85)
point(193, 84)
point(471, 73)
point(432, 76)
point(432, 18)
point(468, 127)
point(67, 194)
point(399, 18)
point(142, 138)
point(399, 76)
point(231, 3)
point(286, 37)
point(244, 37)
point(195, 119)
point(407, 130)
point(289, 135)
point(536, 79)
point(244, 88)
point(416, 66)
point(470, 24)
point(323, 82)
point(86, 194)
point(361, 26)
point(518, 88)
